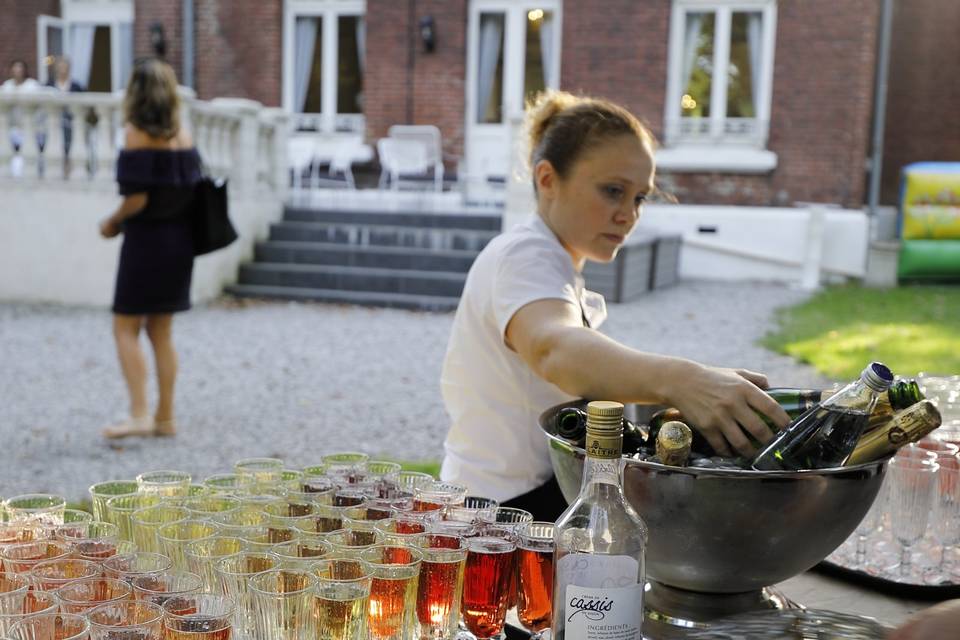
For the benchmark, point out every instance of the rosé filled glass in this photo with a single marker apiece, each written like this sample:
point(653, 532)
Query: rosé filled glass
point(80, 596)
point(38, 602)
point(23, 556)
point(489, 575)
point(393, 591)
point(53, 574)
point(52, 626)
point(535, 577)
point(440, 585)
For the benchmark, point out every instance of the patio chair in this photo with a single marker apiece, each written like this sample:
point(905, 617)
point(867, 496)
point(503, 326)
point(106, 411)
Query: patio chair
point(400, 158)
point(429, 136)
point(300, 156)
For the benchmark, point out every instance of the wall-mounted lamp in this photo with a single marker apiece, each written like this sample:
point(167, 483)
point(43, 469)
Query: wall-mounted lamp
point(158, 41)
point(428, 33)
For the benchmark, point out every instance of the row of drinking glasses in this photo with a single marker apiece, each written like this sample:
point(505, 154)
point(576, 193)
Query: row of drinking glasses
point(394, 590)
point(345, 507)
point(912, 530)
point(42, 615)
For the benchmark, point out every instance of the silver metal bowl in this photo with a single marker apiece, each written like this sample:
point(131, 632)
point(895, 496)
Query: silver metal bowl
point(731, 531)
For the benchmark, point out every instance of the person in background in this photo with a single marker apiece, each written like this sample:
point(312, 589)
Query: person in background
point(21, 82)
point(61, 81)
point(525, 336)
point(157, 172)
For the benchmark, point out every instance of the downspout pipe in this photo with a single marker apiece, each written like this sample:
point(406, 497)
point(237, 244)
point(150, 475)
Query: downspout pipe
point(188, 41)
point(880, 106)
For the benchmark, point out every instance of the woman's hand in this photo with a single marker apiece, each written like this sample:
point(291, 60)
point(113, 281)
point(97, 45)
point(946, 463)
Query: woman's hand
point(722, 403)
point(939, 622)
point(109, 228)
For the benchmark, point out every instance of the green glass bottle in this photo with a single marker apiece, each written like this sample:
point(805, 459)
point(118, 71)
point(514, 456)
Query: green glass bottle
point(826, 435)
point(904, 393)
point(571, 424)
point(795, 402)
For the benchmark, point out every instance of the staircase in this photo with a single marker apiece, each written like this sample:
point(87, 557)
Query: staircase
point(409, 260)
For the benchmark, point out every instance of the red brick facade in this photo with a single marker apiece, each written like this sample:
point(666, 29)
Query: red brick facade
point(822, 90)
point(396, 62)
point(238, 49)
point(923, 88)
point(169, 15)
point(18, 32)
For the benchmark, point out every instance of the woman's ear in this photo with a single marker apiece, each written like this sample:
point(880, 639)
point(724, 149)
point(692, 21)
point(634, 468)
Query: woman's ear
point(546, 178)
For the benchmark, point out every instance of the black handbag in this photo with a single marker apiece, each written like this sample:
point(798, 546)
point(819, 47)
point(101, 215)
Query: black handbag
point(212, 229)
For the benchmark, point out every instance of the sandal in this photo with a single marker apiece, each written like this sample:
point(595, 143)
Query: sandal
point(165, 428)
point(142, 426)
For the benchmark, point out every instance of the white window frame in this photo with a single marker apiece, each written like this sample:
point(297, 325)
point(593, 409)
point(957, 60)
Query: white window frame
point(103, 13)
point(725, 144)
point(328, 121)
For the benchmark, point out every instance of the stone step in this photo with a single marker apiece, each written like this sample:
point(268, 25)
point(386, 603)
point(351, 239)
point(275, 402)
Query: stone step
point(364, 256)
point(410, 281)
point(337, 296)
point(425, 220)
point(382, 235)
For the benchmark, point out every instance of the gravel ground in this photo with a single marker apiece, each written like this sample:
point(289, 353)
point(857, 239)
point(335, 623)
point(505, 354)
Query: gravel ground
point(299, 380)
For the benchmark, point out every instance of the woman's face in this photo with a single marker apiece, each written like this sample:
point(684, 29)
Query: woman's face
point(595, 207)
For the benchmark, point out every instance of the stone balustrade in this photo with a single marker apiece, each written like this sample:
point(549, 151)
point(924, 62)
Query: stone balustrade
point(238, 139)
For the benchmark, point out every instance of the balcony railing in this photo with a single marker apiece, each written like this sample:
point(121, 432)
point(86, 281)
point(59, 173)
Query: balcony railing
point(237, 139)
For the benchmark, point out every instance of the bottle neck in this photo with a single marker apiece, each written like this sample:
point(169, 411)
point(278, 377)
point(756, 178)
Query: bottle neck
point(603, 447)
point(601, 471)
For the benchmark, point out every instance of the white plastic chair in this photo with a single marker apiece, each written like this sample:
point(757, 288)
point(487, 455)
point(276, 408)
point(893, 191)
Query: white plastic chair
point(300, 154)
point(400, 158)
point(429, 136)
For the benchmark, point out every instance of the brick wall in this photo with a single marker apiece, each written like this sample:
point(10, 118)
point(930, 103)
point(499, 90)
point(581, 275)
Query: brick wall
point(422, 88)
point(168, 13)
point(238, 49)
point(923, 90)
point(822, 94)
point(18, 32)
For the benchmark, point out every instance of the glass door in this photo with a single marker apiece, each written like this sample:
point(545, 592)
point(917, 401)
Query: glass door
point(513, 54)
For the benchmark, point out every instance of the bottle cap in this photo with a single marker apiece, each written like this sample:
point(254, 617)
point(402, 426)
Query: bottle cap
point(605, 415)
point(877, 376)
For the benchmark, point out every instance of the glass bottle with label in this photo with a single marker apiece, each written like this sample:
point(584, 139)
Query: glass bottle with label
point(600, 543)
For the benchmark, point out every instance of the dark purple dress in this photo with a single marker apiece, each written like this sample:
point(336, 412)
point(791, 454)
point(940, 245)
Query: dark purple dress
point(156, 260)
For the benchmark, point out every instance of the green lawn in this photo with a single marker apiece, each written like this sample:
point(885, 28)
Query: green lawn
point(433, 468)
point(839, 330)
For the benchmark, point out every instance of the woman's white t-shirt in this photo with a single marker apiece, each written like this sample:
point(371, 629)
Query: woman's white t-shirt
point(495, 446)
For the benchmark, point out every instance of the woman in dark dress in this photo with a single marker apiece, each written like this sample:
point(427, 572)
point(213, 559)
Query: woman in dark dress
point(156, 171)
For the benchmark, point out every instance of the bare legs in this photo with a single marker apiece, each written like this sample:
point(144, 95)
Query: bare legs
point(160, 332)
point(126, 333)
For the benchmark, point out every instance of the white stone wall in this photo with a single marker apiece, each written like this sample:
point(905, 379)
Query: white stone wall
point(51, 249)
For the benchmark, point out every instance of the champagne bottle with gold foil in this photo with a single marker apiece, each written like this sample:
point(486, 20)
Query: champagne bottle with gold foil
point(906, 426)
point(902, 394)
point(673, 443)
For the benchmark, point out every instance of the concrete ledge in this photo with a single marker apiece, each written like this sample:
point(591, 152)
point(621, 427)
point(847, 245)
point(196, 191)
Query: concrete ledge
point(715, 159)
point(51, 249)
